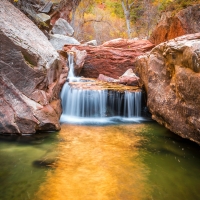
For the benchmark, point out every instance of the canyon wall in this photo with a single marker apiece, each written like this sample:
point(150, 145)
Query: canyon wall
point(172, 25)
point(31, 75)
point(171, 76)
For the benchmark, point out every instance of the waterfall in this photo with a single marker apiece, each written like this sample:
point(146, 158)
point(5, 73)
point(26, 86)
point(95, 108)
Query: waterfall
point(80, 103)
point(71, 64)
point(85, 103)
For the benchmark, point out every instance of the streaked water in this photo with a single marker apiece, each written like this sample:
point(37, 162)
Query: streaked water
point(71, 65)
point(78, 102)
point(118, 161)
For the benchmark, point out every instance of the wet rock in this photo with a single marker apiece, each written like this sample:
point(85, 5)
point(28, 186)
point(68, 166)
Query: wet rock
point(30, 71)
point(171, 75)
point(62, 27)
point(184, 22)
point(58, 41)
point(111, 61)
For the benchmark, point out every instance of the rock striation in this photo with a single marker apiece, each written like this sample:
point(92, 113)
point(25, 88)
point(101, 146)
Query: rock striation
point(171, 75)
point(186, 21)
point(111, 58)
point(30, 76)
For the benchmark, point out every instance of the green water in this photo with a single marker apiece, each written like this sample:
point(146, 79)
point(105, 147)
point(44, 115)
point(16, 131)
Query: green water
point(124, 161)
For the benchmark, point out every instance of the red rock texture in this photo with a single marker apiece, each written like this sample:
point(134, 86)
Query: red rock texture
point(171, 26)
point(30, 76)
point(171, 75)
point(109, 60)
point(102, 77)
point(129, 78)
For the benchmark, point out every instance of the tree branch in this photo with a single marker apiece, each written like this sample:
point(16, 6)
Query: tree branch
point(123, 6)
point(131, 5)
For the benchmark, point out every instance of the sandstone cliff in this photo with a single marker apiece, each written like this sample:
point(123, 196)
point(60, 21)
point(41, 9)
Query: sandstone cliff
point(171, 75)
point(30, 79)
point(171, 26)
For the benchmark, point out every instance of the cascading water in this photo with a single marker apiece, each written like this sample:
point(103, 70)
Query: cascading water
point(81, 103)
point(71, 64)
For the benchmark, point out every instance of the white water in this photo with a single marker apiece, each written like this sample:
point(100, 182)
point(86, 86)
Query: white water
point(71, 65)
point(98, 106)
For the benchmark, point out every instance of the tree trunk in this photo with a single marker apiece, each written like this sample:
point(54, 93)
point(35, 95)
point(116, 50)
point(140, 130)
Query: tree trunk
point(126, 9)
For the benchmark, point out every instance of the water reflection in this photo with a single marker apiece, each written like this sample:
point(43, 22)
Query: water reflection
point(19, 176)
point(101, 163)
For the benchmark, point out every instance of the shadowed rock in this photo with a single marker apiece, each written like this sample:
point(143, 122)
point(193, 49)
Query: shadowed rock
point(30, 70)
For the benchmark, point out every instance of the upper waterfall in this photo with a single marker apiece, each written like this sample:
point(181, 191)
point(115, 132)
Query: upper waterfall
point(71, 65)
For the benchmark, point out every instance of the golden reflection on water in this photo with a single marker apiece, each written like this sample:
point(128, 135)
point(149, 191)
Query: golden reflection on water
point(100, 163)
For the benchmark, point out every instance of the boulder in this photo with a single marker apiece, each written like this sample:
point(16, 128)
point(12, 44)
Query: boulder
point(171, 75)
point(186, 21)
point(30, 72)
point(91, 42)
point(43, 19)
point(62, 27)
point(129, 78)
point(111, 61)
point(58, 41)
point(46, 8)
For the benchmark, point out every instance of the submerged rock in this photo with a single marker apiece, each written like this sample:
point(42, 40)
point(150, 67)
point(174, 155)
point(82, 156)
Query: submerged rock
point(30, 70)
point(171, 75)
point(171, 26)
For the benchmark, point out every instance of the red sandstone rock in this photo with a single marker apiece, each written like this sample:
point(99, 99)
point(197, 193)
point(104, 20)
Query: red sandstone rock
point(171, 75)
point(106, 78)
point(184, 22)
point(129, 78)
point(111, 61)
point(141, 45)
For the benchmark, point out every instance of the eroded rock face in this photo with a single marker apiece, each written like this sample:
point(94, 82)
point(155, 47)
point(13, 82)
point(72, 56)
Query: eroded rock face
point(171, 74)
point(110, 59)
point(184, 22)
point(30, 76)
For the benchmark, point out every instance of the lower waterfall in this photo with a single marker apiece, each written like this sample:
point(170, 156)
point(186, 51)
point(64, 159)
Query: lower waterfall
point(99, 105)
point(91, 101)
